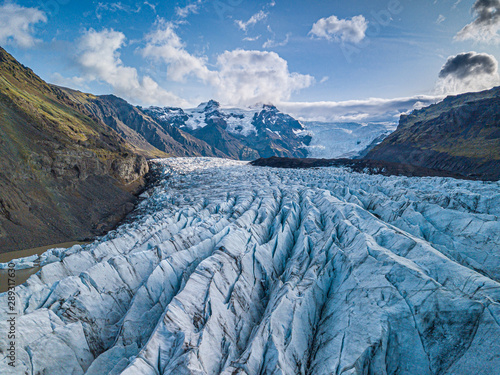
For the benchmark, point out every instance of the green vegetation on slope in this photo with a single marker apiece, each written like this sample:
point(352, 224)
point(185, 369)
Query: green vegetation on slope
point(64, 175)
point(460, 134)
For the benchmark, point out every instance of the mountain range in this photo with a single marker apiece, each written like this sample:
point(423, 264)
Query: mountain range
point(72, 162)
point(207, 130)
point(245, 134)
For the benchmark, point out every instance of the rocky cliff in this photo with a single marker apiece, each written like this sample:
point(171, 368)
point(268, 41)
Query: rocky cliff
point(64, 174)
point(461, 135)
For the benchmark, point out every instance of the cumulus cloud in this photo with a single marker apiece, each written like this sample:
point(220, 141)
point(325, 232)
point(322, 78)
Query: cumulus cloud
point(467, 72)
point(244, 25)
point(163, 44)
point(368, 110)
point(486, 25)
point(247, 77)
point(99, 59)
point(341, 30)
point(239, 77)
point(17, 24)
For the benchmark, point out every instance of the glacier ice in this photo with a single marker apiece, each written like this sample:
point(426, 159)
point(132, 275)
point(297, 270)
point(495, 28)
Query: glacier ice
point(344, 140)
point(225, 268)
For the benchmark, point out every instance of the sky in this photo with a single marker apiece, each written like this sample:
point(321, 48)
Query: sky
point(325, 60)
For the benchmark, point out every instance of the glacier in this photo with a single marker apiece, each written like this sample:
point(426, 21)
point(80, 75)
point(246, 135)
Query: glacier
point(226, 268)
point(344, 139)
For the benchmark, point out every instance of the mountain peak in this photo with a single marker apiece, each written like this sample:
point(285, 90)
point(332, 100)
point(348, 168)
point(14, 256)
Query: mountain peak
point(209, 106)
point(269, 107)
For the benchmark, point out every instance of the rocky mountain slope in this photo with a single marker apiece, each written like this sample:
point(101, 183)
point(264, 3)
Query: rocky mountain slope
point(150, 138)
point(228, 269)
point(461, 134)
point(64, 175)
point(244, 134)
point(207, 130)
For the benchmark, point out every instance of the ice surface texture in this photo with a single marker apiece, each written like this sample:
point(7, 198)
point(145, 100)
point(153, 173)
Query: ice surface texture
point(344, 140)
point(233, 269)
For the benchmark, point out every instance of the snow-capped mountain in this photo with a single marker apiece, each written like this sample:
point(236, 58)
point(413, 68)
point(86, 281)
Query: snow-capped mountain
point(232, 269)
point(269, 132)
point(236, 121)
point(345, 140)
point(259, 131)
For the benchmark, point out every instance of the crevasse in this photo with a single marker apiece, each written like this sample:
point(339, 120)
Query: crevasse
point(225, 268)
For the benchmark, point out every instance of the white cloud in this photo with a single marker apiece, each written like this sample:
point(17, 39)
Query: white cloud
point(252, 39)
point(16, 24)
point(163, 44)
point(341, 30)
point(116, 7)
point(185, 11)
point(270, 43)
point(486, 25)
point(72, 82)
point(248, 77)
point(252, 21)
point(152, 6)
point(99, 59)
point(368, 110)
point(468, 72)
point(440, 19)
point(240, 77)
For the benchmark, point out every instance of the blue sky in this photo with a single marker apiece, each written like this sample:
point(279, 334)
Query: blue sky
point(328, 60)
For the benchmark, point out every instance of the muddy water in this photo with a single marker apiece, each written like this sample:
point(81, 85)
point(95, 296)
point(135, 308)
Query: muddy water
point(23, 275)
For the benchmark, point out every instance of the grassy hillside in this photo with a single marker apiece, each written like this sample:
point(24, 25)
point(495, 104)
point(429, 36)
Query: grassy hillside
point(114, 117)
point(461, 134)
point(64, 175)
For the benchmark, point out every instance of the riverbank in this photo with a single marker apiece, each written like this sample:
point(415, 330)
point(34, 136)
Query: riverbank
point(23, 275)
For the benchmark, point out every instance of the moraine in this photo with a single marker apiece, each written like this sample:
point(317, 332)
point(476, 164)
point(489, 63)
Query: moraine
point(225, 268)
